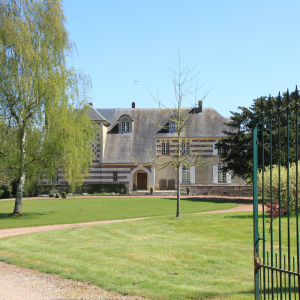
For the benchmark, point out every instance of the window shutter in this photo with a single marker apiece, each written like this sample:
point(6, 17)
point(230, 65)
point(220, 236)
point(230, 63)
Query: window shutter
point(215, 173)
point(192, 174)
point(228, 177)
point(215, 151)
point(180, 174)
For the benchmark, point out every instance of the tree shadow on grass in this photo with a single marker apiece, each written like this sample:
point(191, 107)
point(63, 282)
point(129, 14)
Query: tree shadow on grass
point(26, 215)
point(246, 216)
point(203, 200)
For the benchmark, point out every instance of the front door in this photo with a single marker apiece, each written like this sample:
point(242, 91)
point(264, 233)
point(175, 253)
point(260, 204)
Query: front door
point(142, 181)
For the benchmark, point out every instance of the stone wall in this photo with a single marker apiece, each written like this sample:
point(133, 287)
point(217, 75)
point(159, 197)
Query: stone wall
point(224, 190)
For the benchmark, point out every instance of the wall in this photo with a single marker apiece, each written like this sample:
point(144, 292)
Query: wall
point(221, 190)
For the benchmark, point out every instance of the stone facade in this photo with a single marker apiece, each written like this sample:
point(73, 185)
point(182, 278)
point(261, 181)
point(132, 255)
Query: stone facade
point(129, 139)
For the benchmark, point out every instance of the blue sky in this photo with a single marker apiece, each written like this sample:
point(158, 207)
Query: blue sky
point(243, 49)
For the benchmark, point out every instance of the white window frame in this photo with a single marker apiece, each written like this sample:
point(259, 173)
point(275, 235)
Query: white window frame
point(165, 148)
point(215, 150)
point(185, 146)
point(222, 176)
point(53, 179)
point(186, 175)
point(115, 176)
point(125, 126)
point(217, 173)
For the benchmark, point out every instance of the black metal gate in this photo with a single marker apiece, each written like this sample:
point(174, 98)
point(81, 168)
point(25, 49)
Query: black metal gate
point(275, 187)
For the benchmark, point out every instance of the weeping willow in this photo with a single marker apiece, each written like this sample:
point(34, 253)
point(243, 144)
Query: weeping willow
point(43, 102)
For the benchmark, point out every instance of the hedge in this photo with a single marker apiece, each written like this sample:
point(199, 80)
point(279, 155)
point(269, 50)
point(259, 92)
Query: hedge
point(108, 188)
point(4, 194)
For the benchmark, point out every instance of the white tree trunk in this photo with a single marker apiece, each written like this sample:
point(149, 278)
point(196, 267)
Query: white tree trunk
point(21, 182)
point(19, 196)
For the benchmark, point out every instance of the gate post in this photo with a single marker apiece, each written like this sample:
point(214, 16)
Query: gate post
point(255, 209)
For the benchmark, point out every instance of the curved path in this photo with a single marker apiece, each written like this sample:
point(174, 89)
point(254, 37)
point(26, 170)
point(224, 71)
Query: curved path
point(24, 284)
point(25, 230)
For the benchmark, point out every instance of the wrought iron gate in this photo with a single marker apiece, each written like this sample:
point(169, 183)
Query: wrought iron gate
point(275, 186)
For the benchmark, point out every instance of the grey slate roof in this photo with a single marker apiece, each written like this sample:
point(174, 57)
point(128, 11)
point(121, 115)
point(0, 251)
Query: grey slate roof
point(126, 147)
point(96, 115)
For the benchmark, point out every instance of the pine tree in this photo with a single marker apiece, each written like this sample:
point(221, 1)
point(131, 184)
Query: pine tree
point(236, 149)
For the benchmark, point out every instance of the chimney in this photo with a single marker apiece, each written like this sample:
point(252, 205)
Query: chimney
point(91, 104)
point(133, 104)
point(200, 106)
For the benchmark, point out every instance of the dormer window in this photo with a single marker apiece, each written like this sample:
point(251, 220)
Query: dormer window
point(175, 123)
point(172, 126)
point(125, 124)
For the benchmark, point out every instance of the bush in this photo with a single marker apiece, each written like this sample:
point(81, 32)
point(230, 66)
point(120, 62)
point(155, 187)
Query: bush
point(280, 189)
point(63, 194)
point(57, 195)
point(4, 194)
point(108, 188)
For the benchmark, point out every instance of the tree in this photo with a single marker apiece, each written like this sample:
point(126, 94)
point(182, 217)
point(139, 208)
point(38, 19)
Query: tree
point(42, 101)
point(180, 122)
point(236, 149)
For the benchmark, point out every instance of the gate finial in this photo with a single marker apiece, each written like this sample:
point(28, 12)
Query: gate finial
point(296, 95)
point(270, 102)
point(279, 102)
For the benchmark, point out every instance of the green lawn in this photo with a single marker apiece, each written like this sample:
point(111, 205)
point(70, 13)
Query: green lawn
point(69, 210)
point(195, 257)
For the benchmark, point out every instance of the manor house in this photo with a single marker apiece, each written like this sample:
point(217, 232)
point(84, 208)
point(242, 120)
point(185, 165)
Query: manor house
point(136, 143)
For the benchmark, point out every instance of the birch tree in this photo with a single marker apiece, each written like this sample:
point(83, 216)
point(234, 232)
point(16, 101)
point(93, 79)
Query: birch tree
point(42, 100)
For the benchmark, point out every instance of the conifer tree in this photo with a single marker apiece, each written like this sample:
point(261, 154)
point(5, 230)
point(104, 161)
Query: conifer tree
point(236, 149)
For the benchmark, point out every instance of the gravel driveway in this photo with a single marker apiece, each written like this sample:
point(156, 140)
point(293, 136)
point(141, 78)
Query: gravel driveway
point(25, 284)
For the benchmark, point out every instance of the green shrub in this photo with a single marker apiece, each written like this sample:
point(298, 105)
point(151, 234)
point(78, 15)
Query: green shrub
point(63, 194)
point(280, 187)
point(57, 195)
point(4, 194)
point(108, 188)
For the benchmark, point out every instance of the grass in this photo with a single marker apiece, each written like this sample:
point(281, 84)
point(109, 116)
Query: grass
point(71, 210)
point(194, 257)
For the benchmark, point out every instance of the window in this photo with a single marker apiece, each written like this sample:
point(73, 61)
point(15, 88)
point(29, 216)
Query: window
point(125, 127)
point(172, 127)
point(185, 148)
point(221, 175)
point(53, 179)
point(186, 175)
point(165, 150)
point(125, 124)
point(115, 176)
